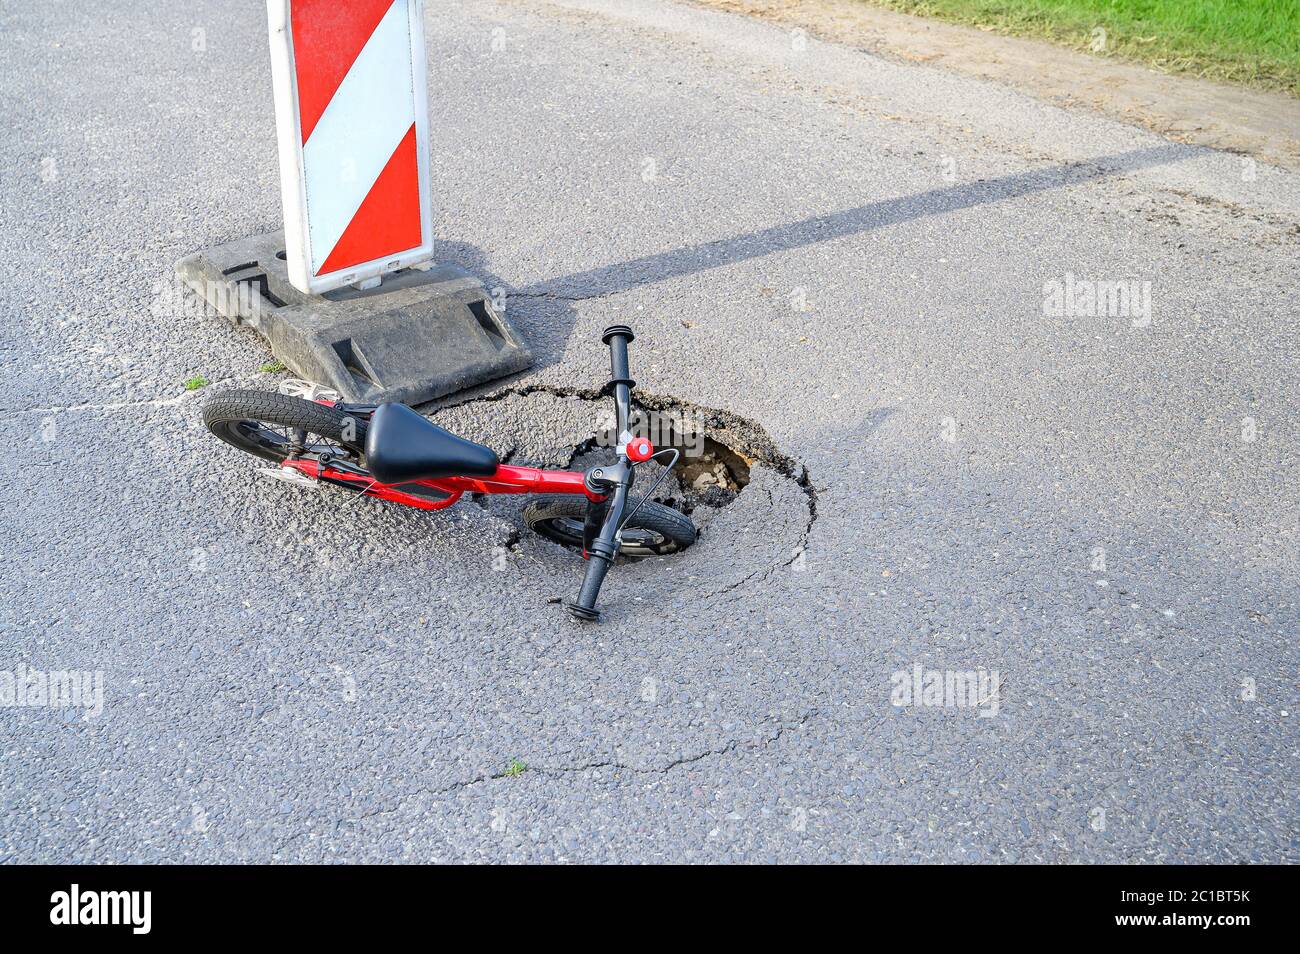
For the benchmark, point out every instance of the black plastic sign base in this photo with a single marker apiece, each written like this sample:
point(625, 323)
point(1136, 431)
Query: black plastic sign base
point(422, 333)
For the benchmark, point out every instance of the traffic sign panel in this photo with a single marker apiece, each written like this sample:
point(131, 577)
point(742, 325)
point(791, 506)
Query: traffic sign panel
point(352, 124)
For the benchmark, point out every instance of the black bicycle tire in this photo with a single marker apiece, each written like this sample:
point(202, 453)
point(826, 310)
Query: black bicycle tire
point(675, 527)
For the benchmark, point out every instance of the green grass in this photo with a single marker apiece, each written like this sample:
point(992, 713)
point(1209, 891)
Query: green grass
point(196, 382)
point(272, 367)
point(1254, 42)
point(516, 768)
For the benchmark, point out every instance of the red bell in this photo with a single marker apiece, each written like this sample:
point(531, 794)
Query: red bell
point(639, 450)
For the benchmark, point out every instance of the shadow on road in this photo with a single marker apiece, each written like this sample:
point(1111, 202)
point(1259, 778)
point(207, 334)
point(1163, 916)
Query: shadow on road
point(550, 329)
point(619, 277)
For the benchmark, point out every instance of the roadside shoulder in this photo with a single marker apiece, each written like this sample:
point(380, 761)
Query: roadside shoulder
point(1261, 124)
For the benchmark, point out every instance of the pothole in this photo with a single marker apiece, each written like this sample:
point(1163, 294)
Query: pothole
point(730, 478)
point(707, 474)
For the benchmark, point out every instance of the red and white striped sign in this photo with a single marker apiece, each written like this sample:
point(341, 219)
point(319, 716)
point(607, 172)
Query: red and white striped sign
point(352, 120)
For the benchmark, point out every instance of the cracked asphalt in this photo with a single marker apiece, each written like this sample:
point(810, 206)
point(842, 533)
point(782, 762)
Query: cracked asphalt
point(851, 252)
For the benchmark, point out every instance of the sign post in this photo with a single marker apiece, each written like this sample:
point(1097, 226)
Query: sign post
point(347, 295)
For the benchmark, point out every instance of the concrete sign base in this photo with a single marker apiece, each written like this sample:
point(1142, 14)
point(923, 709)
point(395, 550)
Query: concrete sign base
point(424, 332)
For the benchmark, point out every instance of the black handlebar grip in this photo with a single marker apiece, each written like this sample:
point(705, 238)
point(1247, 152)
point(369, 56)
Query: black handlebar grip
point(618, 337)
point(584, 607)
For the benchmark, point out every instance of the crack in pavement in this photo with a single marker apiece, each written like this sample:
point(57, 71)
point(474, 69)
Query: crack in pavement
point(782, 727)
point(558, 296)
point(730, 747)
point(559, 771)
point(175, 401)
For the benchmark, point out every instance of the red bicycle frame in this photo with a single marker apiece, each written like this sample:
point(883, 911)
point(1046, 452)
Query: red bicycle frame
point(506, 480)
point(399, 444)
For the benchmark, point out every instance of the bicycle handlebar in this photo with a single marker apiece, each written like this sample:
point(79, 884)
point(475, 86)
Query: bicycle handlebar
point(617, 479)
point(618, 337)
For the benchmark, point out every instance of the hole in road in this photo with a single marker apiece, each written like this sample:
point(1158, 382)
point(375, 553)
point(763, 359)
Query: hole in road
point(707, 472)
point(539, 426)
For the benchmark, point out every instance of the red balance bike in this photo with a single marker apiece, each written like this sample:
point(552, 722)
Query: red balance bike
point(391, 452)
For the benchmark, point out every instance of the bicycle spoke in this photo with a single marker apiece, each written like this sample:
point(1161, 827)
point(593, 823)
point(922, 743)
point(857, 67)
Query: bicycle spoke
point(280, 439)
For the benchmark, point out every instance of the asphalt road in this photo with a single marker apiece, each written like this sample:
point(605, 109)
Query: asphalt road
point(850, 252)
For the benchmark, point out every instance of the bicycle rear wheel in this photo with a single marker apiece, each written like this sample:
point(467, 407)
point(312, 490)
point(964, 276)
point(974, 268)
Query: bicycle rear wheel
point(272, 426)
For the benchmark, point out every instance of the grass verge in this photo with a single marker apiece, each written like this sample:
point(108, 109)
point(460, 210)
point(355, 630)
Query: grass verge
point(1252, 42)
